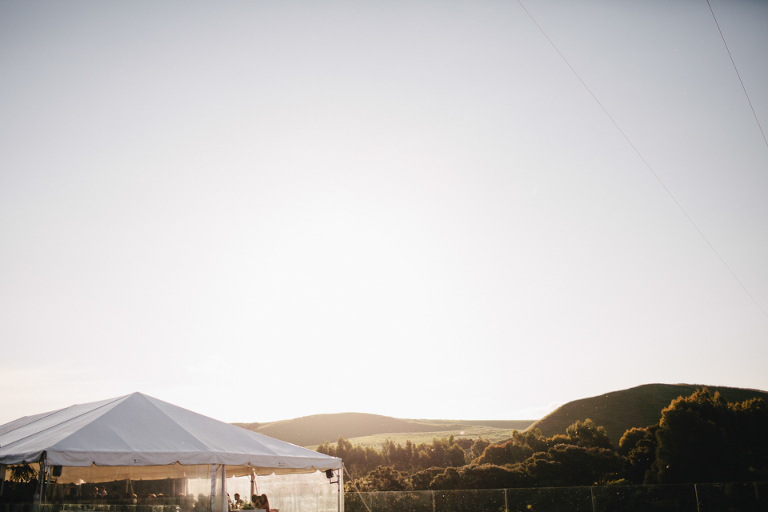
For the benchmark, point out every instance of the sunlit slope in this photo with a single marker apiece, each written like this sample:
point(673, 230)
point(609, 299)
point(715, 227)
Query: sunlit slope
point(640, 406)
point(316, 429)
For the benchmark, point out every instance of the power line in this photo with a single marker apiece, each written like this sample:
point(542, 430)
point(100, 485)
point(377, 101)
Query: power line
point(738, 74)
point(645, 162)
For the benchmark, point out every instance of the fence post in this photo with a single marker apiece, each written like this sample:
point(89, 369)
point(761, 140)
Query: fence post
point(696, 492)
point(506, 502)
point(433, 502)
point(592, 494)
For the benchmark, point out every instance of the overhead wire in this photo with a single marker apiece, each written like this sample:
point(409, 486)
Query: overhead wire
point(680, 206)
point(737, 73)
point(357, 489)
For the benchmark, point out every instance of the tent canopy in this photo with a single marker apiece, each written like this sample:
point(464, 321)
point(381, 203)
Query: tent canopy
point(138, 430)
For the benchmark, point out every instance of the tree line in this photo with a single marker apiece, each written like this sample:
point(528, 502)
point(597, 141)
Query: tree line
point(699, 438)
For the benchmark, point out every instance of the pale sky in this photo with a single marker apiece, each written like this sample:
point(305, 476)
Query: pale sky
point(261, 210)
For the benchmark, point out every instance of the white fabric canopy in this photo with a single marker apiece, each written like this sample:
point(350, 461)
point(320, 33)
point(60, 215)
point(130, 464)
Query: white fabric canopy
point(138, 430)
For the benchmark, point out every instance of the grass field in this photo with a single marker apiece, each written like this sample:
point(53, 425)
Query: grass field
point(373, 429)
point(495, 435)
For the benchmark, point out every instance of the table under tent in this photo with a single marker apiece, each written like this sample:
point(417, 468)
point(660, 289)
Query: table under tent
point(139, 454)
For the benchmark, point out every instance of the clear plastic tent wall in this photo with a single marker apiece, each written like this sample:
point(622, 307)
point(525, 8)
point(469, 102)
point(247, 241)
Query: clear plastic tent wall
point(174, 488)
point(139, 454)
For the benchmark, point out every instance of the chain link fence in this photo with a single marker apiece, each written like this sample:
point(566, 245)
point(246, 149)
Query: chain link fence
point(728, 497)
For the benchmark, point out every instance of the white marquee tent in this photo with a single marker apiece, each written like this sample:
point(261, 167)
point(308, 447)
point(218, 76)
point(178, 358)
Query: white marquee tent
point(137, 437)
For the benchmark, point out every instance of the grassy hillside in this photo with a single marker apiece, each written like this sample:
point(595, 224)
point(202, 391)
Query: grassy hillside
point(493, 434)
point(635, 407)
point(372, 429)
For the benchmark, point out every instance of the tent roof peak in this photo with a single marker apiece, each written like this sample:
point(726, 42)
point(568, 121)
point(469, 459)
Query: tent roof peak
point(137, 429)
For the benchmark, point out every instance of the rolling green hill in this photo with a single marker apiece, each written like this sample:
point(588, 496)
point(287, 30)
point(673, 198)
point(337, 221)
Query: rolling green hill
point(372, 429)
point(617, 411)
point(635, 407)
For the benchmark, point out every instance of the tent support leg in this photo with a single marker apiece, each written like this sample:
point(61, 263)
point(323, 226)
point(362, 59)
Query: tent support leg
point(214, 467)
point(224, 494)
point(38, 497)
point(219, 503)
point(338, 490)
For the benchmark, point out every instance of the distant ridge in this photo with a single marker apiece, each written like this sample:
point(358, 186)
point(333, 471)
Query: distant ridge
point(316, 429)
point(638, 407)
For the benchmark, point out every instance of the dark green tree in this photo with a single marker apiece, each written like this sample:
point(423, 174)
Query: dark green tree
point(532, 438)
point(479, 446)
point(358, 460)
point(384, 478)
point(565, 465)
point(588, 435)
point(455, 456)
point(638, 446)
point(508, 452)
point(703, 438)
point(421, 480)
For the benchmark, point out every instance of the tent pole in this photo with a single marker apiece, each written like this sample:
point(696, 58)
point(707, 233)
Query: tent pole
point(338, 490)
point(224, 493)
point(38, 497)
point(213, 485)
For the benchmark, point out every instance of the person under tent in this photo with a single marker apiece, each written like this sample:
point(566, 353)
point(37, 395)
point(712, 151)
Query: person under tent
point(260, 502)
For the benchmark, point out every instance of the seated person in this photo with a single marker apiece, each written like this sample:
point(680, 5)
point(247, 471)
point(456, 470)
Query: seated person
point(202, 504)
point(260, 502)
point(238, 503)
